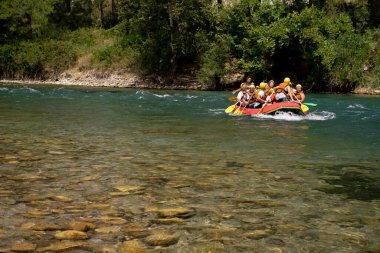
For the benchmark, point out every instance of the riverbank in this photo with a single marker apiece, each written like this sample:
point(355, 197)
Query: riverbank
point(115, 80)
point(95, 78)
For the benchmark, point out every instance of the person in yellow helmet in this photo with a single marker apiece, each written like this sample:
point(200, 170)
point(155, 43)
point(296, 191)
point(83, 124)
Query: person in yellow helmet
point(243, 98)
point(299, 94)
point(271, 86)
point(245, 85)
point(260, 95)
point(251, 93)
point(284, 91)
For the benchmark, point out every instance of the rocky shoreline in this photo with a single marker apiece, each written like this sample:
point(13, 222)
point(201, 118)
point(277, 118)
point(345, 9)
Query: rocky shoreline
point(116, 80)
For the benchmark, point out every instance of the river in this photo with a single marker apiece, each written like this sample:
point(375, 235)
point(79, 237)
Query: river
point(169, 171)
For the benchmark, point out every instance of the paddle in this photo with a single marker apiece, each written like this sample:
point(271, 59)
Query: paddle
point(232, 99)
point(265, 104)
point(310, 104)
point(238, 111)
point(230, 108)
point(304, 108)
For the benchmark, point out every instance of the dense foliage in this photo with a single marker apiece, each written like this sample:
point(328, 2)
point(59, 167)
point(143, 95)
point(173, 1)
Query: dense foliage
point(327, 45)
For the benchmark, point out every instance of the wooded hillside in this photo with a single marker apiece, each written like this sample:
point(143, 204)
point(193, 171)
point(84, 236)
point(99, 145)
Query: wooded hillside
point(326, 45)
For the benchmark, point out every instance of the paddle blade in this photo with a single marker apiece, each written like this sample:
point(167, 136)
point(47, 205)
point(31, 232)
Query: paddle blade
point(230, 109)
point(310, 104)
point(232, 99)
point(304, 108)
point(238, 111)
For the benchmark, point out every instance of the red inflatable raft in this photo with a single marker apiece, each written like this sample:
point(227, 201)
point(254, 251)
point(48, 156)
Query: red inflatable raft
point(293, 107)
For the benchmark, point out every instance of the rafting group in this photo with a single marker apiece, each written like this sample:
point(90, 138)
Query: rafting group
point(268, 98)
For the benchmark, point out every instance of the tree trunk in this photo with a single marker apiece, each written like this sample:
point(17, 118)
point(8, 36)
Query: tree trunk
point(113, 6)
point(174, 55)
point(101, 13)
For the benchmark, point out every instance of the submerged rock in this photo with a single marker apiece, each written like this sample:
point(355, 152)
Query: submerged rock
point(175, 212)
point(173, 220)
point(161, 238)
point(113, 220)
point(133, 246)
point(258, 234)
point(61, 198)
point(24, 247)
point(127, 189)
point(56, 152)
point(81, 226)
point(137, 231)
point(107, 230)
point(61, 246)
point(71, 235)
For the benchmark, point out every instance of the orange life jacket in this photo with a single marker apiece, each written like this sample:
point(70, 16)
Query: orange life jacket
point(298, 94)
point(281, 88)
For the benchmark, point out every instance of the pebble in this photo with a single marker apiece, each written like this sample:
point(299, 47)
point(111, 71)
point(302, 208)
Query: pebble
point(81, 226)
point(174, 220)
point(56, 152)
point(133, 246)
point(258, 234)
point(137, 231)
point(42, 227)
point(113, 220)
point(107, 230)
point(9, 157)
point(174, 212)
point(64, 245)
point(161, 238)
point(290, 228)
point(24, 247)
point(98, 206)
point(71, 235)
point(62, 198)
point(128, 188)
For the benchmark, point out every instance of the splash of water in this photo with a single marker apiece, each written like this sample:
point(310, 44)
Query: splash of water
point(288, 116)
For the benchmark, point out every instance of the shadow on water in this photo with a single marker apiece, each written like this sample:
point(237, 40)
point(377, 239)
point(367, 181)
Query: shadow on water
point(354, 181)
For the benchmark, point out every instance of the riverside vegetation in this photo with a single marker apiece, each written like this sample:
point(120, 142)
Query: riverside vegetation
point(326, 45)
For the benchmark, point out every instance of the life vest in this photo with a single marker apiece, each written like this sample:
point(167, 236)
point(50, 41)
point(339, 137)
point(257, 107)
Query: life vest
point(266, 94)
point(281, 88)
point(256, 94)
point(298, 94)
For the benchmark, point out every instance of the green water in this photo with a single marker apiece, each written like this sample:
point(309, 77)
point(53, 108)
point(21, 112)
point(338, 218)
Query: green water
point(307, 184)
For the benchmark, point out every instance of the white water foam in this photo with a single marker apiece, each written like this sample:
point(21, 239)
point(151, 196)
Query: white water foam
point(288, 116)
point(25, 90)
point(190, 97)
point(4, 89)
point(216, 111)
point(356, 106)
point(161, 96)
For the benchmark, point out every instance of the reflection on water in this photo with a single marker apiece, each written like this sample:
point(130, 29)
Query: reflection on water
point(166, 171)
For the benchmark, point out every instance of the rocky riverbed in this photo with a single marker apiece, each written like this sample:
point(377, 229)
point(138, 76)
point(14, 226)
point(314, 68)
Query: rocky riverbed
point(159, 208)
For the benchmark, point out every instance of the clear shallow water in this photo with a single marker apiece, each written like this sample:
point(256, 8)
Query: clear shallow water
point(307, 184)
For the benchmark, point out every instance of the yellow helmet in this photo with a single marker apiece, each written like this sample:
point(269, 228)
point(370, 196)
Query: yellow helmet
point(262, 85)
point(287, 80)
point(299, 86)
point(252, 86)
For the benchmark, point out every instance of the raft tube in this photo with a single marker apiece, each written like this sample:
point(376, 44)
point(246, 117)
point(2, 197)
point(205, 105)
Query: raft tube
point(293, 107)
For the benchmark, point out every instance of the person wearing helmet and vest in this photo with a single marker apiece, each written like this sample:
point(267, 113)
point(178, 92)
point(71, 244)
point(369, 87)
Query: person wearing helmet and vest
point(260, 95)
point(284, 91)
point(271, 86)
point(245, 85)
point(243, 98)
point(298, 92)
point(251, 94)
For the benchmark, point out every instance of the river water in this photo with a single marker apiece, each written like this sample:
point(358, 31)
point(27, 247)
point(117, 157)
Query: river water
point(168, 171)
